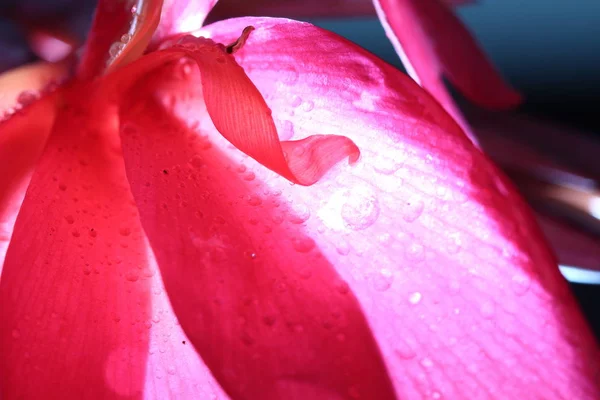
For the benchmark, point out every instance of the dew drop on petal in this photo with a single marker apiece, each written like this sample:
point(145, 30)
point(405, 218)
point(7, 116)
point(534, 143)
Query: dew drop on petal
point(125, 231)
point(299, 213)
point(303, 244)
point(415, 298)
point(132, 275)
point(296, 101)
point(426, 362)
point(197, 161)
point(70, 219)
point(308, 105)
point(412, 210)
point(383, 280)
point(254, 200)
point(361, 208)
point(404, 351)
point(521, 283)
point(27, 97)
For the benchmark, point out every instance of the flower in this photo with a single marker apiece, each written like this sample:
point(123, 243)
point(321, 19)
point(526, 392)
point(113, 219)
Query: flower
point(416, 271)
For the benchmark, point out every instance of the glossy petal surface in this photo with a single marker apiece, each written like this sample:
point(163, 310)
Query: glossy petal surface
point(457, 283)
point(72, 301)
point(432, 42)
point(22, 140)
point(269, 325)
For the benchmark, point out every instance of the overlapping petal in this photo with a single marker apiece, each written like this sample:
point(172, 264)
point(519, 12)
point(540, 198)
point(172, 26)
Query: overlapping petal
point(444, 258)
point(432, 43)
point(73, 301)
point(22, 139)
point(263, 329)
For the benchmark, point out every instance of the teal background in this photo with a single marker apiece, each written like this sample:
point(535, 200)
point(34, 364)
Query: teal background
point(549, 50)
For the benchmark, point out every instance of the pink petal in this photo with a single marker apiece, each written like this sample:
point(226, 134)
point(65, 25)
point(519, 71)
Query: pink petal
point(182, 16)
point(433, 42)
point(73, 300)
point(458, 286)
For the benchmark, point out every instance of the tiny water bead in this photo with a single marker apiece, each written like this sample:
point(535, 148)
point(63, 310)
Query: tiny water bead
point(361, 208)
point(415, 298)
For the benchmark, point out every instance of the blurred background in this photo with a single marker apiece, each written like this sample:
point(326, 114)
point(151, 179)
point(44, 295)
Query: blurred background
point(548, 49)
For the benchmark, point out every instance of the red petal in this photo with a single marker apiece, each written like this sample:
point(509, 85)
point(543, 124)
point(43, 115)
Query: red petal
point(240, 113)
point(22, 139)
point(433, 42)
point(456, 282)
point(264, 331)
point(73, 298)
point(120, 34)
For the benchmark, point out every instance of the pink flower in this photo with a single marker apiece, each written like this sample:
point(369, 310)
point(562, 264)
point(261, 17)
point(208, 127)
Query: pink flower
point(415, 272)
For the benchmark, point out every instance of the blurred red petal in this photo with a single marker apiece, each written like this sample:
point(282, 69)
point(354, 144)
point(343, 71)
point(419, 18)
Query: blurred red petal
point(22, 139)
point(22, 86)
point(455, 280)
point(73, 301)
point(432, 43)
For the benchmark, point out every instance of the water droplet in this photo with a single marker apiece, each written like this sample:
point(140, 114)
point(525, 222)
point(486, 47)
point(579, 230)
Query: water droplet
point(62, 187)
point(342, 287)
point(125, 38)
point(254, 200)
point(303, 244)
point(299, 214)
point(436, 395)
point(27, 97)
point(415, 298)
point(132, 275)
point(308, 105)
point(521, 283)
point(125, 231)
point(296, 101)
point(342, 247)
point(383, 280)
point(385, 165)
point(426, 362)
point(269, 319)
point(156, 319)
point(412, 210)
point(197, 161)
point(404, 351)
point(87, 269)
point(415, 252)
point(287, 130)
point(171, 370)
point(93, 233)
point(249, 176)
point(76, 233)
point(115, 49)
point(241, 168)
point(70, 219)
point(361, 208)
point(487, 309)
